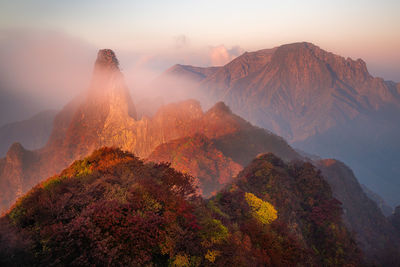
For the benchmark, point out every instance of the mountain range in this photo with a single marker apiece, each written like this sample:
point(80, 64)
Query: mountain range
point(106, 116)
point(320, 102)
point(215, 147)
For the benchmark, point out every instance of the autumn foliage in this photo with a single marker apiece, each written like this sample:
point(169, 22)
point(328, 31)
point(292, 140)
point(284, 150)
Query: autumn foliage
point(112, 209)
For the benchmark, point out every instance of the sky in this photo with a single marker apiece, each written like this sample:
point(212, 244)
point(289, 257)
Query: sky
point(46, 44)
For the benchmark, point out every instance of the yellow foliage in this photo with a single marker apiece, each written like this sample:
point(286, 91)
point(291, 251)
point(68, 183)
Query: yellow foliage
point(214, 231)
point(181, 261)
point(261, 210)
point(211, 255)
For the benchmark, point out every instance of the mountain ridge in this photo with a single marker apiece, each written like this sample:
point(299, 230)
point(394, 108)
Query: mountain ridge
point(310, 97)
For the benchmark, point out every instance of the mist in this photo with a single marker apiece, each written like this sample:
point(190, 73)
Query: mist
point(45, 69)
point(42, 69)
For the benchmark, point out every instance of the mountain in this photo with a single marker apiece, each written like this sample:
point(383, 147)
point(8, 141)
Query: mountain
point(320, 102)
point(199, 157)
point(213, 170)
point(215, 159)
point(110, 208)
point(374, 233)
point(212, 145)
point(106, 116)
point(32, 133)
point(304, 201)
point(15, 105)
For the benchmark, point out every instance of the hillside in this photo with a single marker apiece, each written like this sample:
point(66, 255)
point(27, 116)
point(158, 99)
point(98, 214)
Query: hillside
point(112, 209)
point(374, 233)
point(201, 158)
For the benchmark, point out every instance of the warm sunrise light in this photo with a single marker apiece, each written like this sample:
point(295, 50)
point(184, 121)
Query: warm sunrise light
point(200, 133)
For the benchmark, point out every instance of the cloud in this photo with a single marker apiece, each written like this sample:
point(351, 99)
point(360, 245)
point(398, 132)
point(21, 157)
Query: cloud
point(220, 55)
point(44, 64)
point(41, 70)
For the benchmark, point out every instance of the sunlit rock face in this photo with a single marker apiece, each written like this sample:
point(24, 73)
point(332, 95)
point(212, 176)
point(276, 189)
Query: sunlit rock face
point(105, 116)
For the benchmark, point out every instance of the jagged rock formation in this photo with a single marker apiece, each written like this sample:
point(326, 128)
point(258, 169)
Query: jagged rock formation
point(320, 102)
point(106, 116)
point(32, 133)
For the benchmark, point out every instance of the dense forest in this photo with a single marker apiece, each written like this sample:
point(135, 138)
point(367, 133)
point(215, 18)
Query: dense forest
point(113, 209)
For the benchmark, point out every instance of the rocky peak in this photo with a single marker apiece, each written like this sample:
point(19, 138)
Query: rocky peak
point(106, 58)
point(220, 108)
point(106, 73)
point(15, 152)
point(108, 89)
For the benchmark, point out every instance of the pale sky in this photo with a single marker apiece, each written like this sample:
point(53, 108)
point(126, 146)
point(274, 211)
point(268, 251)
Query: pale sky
point(357, 28)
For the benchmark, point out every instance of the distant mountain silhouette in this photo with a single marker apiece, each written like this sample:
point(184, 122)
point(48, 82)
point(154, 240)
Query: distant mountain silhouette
point(32, 133)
